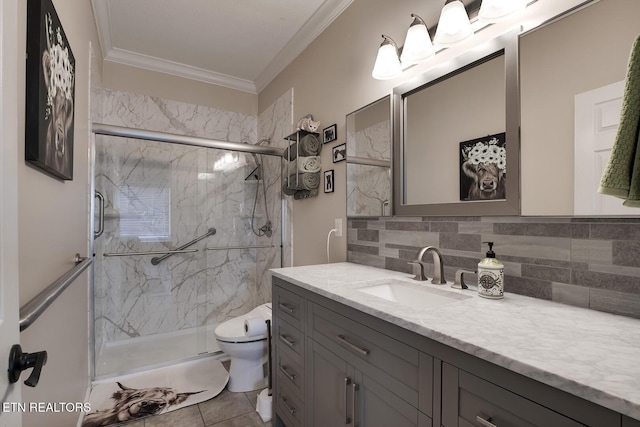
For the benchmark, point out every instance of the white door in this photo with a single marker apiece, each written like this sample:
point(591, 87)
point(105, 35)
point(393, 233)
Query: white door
point(597, 114)
point(10, 415)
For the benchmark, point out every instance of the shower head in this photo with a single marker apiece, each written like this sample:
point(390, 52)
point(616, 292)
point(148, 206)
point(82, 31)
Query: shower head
point(256, 173)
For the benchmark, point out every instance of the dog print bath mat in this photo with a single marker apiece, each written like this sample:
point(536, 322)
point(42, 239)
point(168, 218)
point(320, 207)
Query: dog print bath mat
point(153, 392)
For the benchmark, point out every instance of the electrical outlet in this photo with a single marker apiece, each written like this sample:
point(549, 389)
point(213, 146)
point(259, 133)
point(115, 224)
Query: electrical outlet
point(338, 227)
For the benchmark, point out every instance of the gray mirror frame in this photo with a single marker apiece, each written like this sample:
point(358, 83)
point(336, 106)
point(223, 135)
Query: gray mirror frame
point(511, 204)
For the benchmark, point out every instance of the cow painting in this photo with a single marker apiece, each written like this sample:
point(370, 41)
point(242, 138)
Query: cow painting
point(50, 92)
point(483, 168)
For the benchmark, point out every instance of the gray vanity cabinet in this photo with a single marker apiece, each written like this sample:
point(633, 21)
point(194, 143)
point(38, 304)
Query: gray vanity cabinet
point(288, 368)
point(357, 375)
point(480, 402)
point(354, 374)
point(338, 366)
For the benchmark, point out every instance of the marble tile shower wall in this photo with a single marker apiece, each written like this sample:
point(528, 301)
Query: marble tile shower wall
point(133, 298)
point(591, 263)
point(369, 187)
point(276, 122)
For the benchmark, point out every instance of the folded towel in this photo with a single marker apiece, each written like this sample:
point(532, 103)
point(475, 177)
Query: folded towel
point(305, 164)
point(303, 194)
point(310, 145)
point(621, 178)
point(286, 190)
point(305, 181)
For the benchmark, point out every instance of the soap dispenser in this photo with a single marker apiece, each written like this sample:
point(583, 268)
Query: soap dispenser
point(491, 276)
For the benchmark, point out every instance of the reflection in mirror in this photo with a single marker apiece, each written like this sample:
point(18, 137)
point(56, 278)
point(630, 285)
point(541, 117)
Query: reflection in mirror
point(456, 132)
point(571, 77)
point(439, 118)
point(369, 160)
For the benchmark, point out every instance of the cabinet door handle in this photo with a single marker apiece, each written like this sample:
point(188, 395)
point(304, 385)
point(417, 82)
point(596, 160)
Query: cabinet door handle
point(289, 375)
point(343, 340)
point(347, 418)
point(354, 388)
point(484, 420)
point(287, 307)
point(289, 408)
point(288, 341)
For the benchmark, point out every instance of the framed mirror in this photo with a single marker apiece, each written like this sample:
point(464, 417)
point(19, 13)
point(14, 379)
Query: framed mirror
point(572, 72)
point(455, 135)
point(369, 160)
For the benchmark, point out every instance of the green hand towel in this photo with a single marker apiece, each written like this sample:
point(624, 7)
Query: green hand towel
point(621, 177)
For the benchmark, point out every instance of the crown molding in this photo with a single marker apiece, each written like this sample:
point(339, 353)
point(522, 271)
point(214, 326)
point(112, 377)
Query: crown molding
point(178, 69)
point(102, 16)
point(320, 20)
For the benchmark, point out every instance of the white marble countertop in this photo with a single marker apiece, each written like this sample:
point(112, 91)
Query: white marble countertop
point(593, 355)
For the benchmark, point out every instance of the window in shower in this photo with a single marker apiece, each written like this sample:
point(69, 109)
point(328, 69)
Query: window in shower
point(145, 212)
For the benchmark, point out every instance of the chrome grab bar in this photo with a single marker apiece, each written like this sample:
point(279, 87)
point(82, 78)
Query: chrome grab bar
point(98, 233)
point(213, 248)
point(224, 248)
point(34, 308)
point(158, 260)
point(187, 251)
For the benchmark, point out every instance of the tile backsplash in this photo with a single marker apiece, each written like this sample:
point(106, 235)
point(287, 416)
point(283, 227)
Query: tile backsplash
point(587, 262)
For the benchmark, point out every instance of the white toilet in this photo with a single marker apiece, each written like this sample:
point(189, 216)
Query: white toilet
point(248, 353)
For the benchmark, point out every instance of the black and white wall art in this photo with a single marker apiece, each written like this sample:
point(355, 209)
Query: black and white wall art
point(50, 92)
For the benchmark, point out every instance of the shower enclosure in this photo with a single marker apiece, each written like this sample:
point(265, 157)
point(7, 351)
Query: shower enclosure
point(157, 296)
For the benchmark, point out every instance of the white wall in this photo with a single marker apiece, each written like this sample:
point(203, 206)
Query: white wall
point(53, 227)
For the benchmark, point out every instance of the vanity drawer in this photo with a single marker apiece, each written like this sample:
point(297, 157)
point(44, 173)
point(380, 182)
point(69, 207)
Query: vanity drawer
point(389, 361)
point(480, 399)
point(289, 407)
point(289, 372)
point(290, 341)
point(290, 307)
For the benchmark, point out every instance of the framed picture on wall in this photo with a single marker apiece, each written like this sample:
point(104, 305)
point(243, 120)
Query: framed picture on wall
point(329, 183)
point(483, 168)
point(50, 92)
point(339, 153)
point(330, 133)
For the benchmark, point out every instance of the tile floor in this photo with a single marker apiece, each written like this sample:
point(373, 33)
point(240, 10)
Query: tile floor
point(225, 410)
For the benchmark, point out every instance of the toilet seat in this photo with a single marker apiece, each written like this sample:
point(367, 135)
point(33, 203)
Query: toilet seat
point(232, 330)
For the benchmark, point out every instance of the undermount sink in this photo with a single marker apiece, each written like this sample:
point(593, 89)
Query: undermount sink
point(412, 296)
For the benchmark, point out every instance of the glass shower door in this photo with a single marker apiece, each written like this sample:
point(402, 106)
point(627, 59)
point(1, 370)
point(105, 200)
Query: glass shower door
point(150, 309)
point(146, 304)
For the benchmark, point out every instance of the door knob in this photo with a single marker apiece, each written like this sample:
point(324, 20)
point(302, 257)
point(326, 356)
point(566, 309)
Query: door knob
point(19, 361)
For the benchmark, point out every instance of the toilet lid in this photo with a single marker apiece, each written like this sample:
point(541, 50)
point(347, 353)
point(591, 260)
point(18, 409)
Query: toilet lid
point(232, 330)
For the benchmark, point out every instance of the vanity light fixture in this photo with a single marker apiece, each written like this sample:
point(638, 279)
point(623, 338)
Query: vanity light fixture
point(492, 11)
point(454, 25)
point(417, 45)
point(387, 65)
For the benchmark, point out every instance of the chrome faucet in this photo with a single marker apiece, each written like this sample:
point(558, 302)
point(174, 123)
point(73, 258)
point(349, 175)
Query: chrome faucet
point(438, 266)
